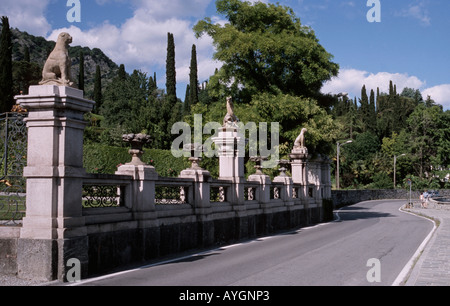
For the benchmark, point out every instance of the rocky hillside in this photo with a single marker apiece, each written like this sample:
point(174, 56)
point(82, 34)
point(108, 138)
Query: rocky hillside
point(39, 48)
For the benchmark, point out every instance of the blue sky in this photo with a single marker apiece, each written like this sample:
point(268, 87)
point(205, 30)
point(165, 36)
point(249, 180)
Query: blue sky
point(410, 46)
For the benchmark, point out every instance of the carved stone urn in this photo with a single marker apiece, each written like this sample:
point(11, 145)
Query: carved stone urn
point(284, 164)
point(195, 150)
point(137, 142)
point(258, 160)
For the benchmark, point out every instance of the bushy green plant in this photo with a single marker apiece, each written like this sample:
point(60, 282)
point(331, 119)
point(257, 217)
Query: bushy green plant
point(106, 159)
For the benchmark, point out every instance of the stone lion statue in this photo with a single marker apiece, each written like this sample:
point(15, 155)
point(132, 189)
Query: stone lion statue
point(57, 67)
point(300, 141)
point(230, 119)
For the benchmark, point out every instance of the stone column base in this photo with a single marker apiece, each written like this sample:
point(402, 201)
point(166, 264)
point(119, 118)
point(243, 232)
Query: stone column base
point(49, 259)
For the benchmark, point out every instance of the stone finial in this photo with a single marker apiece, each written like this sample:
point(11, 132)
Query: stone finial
point(137, 142)
point(284, 163)
point(57, 67)
point(258, 160)
point(195, 150)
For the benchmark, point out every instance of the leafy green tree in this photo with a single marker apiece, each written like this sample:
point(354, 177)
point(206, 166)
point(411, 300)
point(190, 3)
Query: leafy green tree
point(293, 114)
point(265, 48)
point(365, 146)
point(115, 100)
point(26, 55)
point(6, 67)
point(412, 94)
point(381, 180)
point(25, 74)
point(423, 126)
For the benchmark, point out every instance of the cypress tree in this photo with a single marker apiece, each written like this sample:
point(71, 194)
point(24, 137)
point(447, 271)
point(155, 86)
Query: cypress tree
point(81, 73)
point(371, 119)
point(193, 76)
point(378, 101)
point(98, 97)
point(6, 75)
point(171, 81)
point(151, 86)
point(170, 111)
point(364, 110)
point(122, 75)
point(187, 104)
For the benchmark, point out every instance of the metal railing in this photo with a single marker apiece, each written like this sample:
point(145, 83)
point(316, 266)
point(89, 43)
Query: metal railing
point(13, 146)
point(102, 191)
point(173, 191)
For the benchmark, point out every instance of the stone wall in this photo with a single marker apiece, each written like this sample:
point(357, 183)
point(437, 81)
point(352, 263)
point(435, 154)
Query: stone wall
point(9, 237)
point(349, 197)
point(110, 250)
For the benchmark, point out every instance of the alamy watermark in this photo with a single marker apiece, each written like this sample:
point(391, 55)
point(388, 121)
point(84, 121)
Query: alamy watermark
point(73, 275)
point(374, 273)
point(374, 14)
point(259, 143)
point(74, 13)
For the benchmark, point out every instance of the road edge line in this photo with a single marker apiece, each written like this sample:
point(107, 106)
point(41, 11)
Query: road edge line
point(406, 272)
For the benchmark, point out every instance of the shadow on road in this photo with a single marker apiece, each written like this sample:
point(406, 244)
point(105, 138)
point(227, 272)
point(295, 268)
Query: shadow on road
point(358, 212)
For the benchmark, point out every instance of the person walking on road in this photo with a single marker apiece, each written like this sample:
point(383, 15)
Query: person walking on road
point(426, 196)
point(422, 200)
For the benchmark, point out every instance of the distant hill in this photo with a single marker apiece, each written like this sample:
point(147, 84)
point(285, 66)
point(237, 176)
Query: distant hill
point(39, 49)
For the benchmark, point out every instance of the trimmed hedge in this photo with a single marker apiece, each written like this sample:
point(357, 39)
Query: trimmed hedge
point(106, 159)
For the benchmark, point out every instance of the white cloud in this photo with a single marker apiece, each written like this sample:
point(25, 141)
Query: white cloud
point(418, 11)
point(141, 41)
point(352, 80)
point(26, 15)
point(440, 94)
point(172, 9)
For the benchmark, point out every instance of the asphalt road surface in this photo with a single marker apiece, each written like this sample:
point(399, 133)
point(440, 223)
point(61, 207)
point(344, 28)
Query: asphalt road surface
point(369, 244)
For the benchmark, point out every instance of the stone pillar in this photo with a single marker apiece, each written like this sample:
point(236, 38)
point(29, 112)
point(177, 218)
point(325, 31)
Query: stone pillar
point(143, 191)
point(54, 229)
point(231, 150)
point(286, 193)
point(202, 203)
point(263, 193)
point(299, 168)
point(202, 190)
point(230, 144)
point(315, 178)
point(326, 177)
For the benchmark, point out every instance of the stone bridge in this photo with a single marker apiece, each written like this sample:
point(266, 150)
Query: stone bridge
point(107, 222)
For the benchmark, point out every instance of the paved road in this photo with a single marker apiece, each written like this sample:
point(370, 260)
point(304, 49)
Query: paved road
point(336, 253)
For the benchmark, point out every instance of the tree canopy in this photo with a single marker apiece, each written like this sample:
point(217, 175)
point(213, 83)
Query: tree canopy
point(265, 48)
point(389, 125)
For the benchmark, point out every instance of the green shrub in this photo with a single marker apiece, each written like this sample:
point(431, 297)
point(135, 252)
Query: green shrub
point(106, 159)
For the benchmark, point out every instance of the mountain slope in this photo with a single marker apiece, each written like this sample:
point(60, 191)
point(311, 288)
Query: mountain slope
point(39, 49)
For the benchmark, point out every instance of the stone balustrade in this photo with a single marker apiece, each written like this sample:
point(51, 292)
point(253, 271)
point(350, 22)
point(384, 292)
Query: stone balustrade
point(108, 221)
